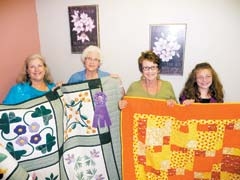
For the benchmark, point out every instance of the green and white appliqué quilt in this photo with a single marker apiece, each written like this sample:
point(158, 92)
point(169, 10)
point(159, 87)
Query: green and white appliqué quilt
point(71, 133)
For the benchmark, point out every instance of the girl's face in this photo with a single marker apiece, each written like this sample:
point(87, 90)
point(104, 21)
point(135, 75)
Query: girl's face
point(204, 78)
point(150, 70)
point(92, 61)
point(36, 70)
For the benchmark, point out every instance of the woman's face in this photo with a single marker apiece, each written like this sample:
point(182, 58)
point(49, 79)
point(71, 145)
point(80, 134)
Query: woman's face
point(36, 70)
point(204, 78)
point(92, 61)
point(150, 70)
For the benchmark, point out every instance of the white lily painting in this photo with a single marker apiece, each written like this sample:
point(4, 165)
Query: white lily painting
point(168, 42)
point(83, 27)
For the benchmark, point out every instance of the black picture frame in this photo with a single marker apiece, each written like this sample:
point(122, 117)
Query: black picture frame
point(168, 42)
point(84, 27)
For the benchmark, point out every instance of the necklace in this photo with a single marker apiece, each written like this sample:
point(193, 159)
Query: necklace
point(153, 89)
point(41, 87)
point(204, 94)
point(91, 75)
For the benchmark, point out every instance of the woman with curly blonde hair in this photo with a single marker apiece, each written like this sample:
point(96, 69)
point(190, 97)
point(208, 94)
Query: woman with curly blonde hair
point(35, 80)
point(202, 86)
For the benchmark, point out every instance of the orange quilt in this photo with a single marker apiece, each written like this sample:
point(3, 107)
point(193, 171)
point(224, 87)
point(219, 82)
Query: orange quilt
point(196, 142)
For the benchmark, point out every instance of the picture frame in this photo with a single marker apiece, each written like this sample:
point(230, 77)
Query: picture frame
point(84, 27)
point(168, 42)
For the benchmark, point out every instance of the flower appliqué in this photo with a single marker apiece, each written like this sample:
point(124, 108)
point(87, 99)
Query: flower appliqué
point(82, 24)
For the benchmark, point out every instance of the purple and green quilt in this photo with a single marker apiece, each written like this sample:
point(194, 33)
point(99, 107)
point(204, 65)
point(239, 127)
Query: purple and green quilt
point(71, 133)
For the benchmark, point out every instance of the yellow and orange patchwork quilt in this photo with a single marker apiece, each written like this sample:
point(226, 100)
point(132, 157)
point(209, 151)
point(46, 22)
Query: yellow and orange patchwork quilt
point(195, 142)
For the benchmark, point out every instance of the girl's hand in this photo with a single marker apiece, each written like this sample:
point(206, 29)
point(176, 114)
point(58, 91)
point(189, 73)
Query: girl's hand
point(187, 102)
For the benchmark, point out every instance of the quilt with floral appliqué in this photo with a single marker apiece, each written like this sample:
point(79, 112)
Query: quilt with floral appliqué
point(52, 137)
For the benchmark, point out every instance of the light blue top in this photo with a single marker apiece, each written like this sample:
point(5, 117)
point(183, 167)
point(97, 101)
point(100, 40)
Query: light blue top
point(24, 91)
point(81, 76)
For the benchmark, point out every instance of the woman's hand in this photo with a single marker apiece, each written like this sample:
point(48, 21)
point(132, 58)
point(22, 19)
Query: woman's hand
point(120, 83)
point(122, 104)
point(171, 102)
point(114, 76)
point(58, 84)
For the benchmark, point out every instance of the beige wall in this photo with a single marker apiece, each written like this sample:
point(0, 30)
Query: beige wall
point(19, 38)
point(212, 35)
point(213, 28)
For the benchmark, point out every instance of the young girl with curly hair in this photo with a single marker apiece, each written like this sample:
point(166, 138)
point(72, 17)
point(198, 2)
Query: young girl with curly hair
point(202, 86)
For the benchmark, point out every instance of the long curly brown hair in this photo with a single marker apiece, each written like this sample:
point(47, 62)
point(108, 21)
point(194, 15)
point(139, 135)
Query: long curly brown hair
point(190, 90)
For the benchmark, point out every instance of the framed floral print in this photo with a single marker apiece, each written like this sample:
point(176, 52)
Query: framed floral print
point(84, 28)
point(168, 42)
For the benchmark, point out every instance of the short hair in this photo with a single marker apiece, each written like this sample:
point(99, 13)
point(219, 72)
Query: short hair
point(24, 77)
point(89, 49)
point(150, 56)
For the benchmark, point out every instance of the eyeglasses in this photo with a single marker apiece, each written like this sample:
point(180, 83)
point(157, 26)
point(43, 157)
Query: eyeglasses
point(92, 59)
point(147, 68)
